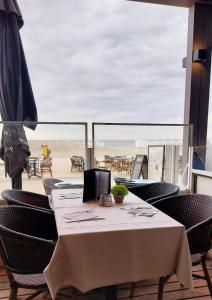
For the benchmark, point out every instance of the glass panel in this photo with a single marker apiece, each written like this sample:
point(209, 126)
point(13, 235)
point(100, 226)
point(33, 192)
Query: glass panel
point(52, 148)
point(116, 147)
point(156, 163)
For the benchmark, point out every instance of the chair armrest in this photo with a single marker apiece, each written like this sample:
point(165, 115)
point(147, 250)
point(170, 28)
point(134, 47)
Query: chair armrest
point(199, 237)
point(24, 253)
point(40, 224)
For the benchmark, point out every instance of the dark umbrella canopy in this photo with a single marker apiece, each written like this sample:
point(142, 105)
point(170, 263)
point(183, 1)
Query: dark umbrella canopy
point(16, 96)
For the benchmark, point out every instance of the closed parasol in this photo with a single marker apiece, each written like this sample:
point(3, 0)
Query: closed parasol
point(16, 96)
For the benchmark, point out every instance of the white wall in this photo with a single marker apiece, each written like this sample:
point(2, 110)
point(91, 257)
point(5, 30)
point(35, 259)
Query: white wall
point(204, 185)
point(208, 165)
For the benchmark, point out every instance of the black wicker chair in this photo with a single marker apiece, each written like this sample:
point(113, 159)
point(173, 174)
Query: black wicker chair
point(24, 198)
point(155, 191)
point(27, 241)
point(195, 213)
point(49, 183)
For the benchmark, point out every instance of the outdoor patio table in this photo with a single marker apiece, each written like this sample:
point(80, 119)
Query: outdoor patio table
point(69, 183)
point(34, 166)
point(116, 249)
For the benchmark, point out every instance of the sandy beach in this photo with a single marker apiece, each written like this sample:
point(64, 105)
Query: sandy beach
point(61, 151)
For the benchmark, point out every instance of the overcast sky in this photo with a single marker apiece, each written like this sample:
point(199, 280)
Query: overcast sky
point(105, 60)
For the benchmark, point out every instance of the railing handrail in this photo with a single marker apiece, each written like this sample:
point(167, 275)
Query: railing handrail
point(95, 123)
point(42, 123)
point(84, 124)
point(190, 127)
point(142, 124)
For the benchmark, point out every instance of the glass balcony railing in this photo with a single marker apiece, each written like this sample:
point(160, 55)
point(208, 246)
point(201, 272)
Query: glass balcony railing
point(168, 157)
point(61, 150)
point(56, 149)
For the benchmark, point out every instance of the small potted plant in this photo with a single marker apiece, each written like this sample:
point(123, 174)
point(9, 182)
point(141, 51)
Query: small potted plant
point(119, 191)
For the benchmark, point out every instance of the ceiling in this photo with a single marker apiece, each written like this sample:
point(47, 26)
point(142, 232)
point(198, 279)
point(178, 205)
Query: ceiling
point(181, 3)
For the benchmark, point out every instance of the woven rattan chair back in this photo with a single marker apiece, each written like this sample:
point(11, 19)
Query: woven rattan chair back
point(155, 191)
point(24, 198)
point(27, 242)
point(46, 166)
point(195, 213)
point(28, 238)
point(77, 163)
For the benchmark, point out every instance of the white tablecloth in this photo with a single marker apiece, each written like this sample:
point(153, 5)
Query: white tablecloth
point(119, 249)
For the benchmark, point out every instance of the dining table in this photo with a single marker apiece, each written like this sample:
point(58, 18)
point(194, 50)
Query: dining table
point(106, 246)
point(69, 184)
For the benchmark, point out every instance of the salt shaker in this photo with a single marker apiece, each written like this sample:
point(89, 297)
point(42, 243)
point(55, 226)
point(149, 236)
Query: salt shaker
point(106, 200)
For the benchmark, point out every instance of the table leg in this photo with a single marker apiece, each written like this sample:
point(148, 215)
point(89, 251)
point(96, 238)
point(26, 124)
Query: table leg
point(111, 293)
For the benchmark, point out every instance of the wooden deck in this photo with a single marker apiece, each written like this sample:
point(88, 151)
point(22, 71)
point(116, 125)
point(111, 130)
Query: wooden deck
point(144, 290)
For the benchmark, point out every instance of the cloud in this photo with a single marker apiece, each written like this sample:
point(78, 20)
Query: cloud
point(108, 60)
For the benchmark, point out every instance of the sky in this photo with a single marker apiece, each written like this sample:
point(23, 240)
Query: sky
point(105, 61)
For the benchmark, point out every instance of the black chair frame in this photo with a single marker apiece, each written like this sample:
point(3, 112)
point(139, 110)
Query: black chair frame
point(27, 241)
point(155, 191)
point(27, 199)
point(194, 211)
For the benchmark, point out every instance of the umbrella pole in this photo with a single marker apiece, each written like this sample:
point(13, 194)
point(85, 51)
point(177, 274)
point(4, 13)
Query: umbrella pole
point(17, 182)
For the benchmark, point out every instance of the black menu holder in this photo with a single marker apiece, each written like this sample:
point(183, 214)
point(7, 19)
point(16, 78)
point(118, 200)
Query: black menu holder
point(96, 183)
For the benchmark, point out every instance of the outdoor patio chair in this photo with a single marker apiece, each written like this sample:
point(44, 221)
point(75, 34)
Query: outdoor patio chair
point(32, 167)
point(117, 163)
point(195, 213)
point(27, 241)
point(155, 191)
point(108, 161)
point(77, 163)
point(46, 166)
point(24, 198)
point(139, 166)
point(127, 165)
point(48, 184)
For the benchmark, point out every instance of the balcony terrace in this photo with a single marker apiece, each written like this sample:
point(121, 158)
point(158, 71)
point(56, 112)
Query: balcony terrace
point(53, 248)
